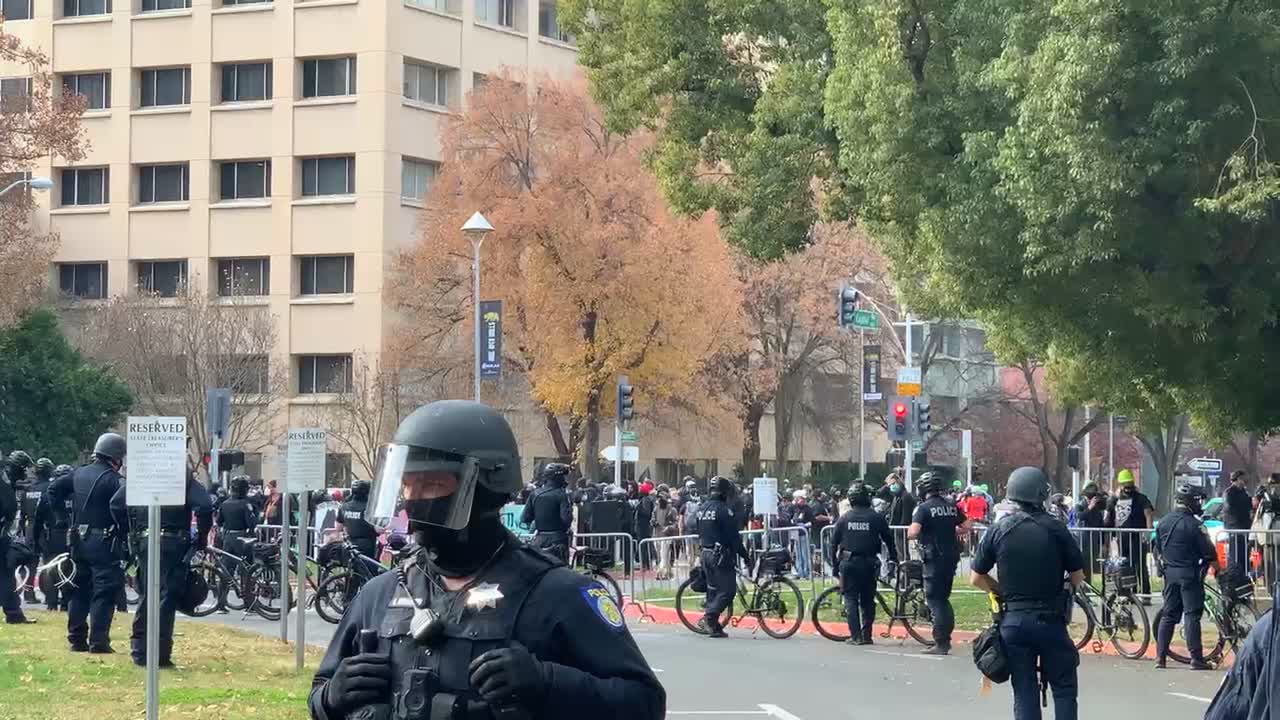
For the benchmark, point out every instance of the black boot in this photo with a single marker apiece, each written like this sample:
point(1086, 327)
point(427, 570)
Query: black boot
point(866, 636)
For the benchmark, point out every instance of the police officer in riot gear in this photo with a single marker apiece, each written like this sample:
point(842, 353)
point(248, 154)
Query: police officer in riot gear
point(475, 624)
point(1186, 554)
point(237, 519)
point(8, 513)
point(935, 525)
point(351, 515)
point(721, 546)
point(43, 469)
point(855, 551)
point(175, 558)
point(94, 538)
point(1034, 552)
point(550, 513)
point(49, 536)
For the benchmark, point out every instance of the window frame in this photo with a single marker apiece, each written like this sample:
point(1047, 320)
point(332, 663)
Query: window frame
point(106, 8)
point(314, 172)
point(101, 266)
point(185, 179)
point(268, 81)
point(348, 275)
point(314, 94)
point(185, 5)
point(24, 97)
point(309, 386)
point(235, 166)
point(406, 162)
point(412, 88)
point(155, 86)
point(149, 287)
point(227, 273)
point(30, 12)
point(105, 185)
point(506, 10)
point(71, 84)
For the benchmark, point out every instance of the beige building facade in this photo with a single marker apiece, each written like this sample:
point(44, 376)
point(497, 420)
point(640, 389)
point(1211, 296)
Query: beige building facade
point(275, 152)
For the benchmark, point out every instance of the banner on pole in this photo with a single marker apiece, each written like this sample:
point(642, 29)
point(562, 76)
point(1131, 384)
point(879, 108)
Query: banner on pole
point(490, 338)
point(871, 373)
point(157, 451)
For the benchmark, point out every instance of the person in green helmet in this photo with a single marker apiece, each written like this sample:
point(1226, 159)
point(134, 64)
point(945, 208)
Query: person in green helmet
point(1131, 511)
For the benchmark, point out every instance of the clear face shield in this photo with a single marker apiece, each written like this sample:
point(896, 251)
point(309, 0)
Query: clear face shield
point(431, 487)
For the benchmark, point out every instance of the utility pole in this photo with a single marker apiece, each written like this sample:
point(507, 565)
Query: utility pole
point(908, 451)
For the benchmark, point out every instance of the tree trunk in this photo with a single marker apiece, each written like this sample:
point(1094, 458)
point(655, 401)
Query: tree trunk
point(784, 406)
point(1164, 446)
point(751, 441)
point(557, 438)
point(592, 441)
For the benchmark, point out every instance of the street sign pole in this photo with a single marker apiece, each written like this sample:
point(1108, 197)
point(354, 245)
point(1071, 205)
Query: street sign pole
point(906, 446)
point(304, 501)
point(1111, 449)
point(1088, 454)
point(862, 409)
point(284, 559)
point(306, 459)
point(617, 456)
point(153, 611)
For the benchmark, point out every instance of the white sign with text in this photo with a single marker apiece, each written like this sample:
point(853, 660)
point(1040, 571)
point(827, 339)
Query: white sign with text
point(305, 465)
point(157, 461)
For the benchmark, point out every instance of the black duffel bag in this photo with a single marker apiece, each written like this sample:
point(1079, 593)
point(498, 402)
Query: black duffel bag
point(989, 655)
point(20, 555)
point(698, 579)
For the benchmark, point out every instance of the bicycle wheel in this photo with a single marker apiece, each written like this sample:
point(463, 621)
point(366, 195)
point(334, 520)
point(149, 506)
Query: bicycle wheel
point(1080, 628)
point(779, 608)
point(236, 597)
point(916, 617)
point(334, 596)
point(264, 592)
point(610, 584)
point(690, 606)
point(1128, 628)
point(1240, 620)
point(828, 615)
point(217, 582)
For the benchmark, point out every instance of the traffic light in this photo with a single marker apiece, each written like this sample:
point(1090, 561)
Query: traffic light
point(847, 303)
point(626, 401)
point(922, 418)
point(898, 423)
point(1073, 457)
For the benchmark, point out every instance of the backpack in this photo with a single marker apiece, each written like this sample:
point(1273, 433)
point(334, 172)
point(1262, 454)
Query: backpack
point(989, 655)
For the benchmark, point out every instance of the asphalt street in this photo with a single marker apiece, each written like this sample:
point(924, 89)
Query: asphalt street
point(810, 678)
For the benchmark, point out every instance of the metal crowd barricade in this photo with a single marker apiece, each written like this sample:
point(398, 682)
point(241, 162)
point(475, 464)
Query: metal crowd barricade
point(271, 534)
point(1098, 545)
point(625, 550)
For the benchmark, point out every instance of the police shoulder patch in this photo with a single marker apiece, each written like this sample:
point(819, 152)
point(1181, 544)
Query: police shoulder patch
point(603, 605)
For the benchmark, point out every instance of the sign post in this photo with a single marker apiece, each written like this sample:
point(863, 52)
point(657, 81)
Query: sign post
point(282, 452)
point(306, 474)
point(966, 450)
point(764, 501)
point(870, 391)
point(157, 477)
point(1205, 465)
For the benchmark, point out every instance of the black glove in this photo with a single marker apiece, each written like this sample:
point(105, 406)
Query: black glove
point(360, 680)
point(509, 675)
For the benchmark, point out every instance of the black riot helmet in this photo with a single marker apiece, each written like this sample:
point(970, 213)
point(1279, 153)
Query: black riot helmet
point(19, 459)
point(929, 484)
point(44, 468)
point(557, 474)
point(1028, 485)
point(110, 446)
point(449, 461)
point(240, 486)
point(360, 489)
point(859, 495)
point(62, 471)
point(721, 487)
point(1190, 497)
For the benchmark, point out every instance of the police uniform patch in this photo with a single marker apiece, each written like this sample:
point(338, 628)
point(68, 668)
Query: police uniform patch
point(601, 602)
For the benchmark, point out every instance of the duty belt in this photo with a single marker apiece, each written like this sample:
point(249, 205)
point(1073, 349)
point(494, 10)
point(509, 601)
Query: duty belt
point(174, 534)
point(1030, 606)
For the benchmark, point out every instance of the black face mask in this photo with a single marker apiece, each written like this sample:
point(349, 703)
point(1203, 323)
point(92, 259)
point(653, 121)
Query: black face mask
point(460, 553)
point(1193, 506)
point(1126, 490)
point(662, 502)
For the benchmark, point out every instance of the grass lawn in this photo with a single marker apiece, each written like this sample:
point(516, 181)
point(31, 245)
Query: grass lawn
point(222, 673)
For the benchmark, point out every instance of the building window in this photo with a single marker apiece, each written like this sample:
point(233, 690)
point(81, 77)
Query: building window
point(165, 278)
point(166, 86)
point(233, 3)
point(549, 26)
point(416, 177)
point(87, 281)
point(328, 77)
point(15, 94)
point(246, 82)
point(244, 179)
point(82, 8)
point(158, 5)
point(16, 9)
point(85, 186)
point(163, 183)
point(243, 277)
point(324, 374)
point(328, 176)
point(337, 469)
point(430, 84)
point(244, 374)
point(327, 274)
point(497, 12)
point(94, 87)
point(444, 6)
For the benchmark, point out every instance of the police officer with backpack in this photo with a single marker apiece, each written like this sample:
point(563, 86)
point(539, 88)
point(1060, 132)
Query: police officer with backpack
point(351, 515)
point(935, 523)
point(855, 551)
point(1033, 552)
point(550, 513)
point(475, 624)
point(1185, 554)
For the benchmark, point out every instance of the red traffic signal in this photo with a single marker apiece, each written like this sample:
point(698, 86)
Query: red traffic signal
point(900, 410)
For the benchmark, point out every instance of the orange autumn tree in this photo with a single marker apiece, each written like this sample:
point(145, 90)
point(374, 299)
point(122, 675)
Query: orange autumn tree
point(597, 276)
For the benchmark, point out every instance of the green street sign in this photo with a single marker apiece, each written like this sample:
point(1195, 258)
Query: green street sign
point(630, 436)
point(866, 320)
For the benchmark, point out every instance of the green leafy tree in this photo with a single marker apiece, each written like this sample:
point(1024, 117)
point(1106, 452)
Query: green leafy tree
point(53, 402)
point(1089, 178)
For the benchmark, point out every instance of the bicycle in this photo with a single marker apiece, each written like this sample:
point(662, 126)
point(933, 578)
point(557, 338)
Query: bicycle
point(902, 602)
point(766, 595)
point(595, 564)
point(1123, 619)
point(1232, 615)
point(347, 572)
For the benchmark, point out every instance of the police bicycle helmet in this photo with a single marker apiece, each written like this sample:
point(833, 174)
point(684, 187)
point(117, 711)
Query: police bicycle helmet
point(929, 482)
point(860, 495)
point(20, 459)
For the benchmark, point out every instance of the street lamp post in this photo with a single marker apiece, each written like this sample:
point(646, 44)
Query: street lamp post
point(35, 183)
point(476, 229)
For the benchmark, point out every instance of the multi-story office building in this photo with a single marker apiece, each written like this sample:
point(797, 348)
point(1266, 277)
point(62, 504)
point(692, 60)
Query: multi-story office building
point(276, 150)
